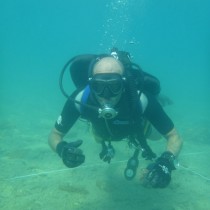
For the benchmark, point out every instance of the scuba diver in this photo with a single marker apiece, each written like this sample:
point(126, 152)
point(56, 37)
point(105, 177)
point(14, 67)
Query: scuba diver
point(121, 102)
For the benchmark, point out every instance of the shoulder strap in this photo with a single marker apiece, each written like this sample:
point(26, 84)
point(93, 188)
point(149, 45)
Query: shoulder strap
point(144, 102)
point(85, 95)
point(82, 97)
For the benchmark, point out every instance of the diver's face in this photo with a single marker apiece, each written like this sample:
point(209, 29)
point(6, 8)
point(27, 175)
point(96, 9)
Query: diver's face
point(107, 83)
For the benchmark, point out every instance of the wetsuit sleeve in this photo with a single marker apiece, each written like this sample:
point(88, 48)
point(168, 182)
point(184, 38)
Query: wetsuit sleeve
point(68, 116)
point(157, 116)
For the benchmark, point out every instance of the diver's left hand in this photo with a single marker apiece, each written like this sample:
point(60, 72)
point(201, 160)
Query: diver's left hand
point(159, 173)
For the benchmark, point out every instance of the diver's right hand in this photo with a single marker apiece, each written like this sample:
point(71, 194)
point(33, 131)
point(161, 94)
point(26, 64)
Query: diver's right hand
point(107, 153)
point(71, 155)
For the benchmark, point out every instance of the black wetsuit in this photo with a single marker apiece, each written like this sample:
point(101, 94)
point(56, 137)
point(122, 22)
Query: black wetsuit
point(120, 126)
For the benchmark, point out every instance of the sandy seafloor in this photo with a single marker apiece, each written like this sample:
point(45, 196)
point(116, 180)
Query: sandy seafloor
point(33, 177)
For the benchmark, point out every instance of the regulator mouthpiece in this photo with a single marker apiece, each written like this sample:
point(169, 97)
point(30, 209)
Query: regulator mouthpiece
point(107, 112)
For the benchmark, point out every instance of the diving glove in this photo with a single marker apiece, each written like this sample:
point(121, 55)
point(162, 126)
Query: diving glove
point(71, 155)
point(159, 173)
point(107, 153)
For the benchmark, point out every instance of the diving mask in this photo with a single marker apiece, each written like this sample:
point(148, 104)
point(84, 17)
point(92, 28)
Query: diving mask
point(107, 85)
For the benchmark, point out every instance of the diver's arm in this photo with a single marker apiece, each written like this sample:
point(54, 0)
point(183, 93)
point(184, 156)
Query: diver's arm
point(54, 138)
point(65, 121)
point(158, 174)
point(174, 142)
